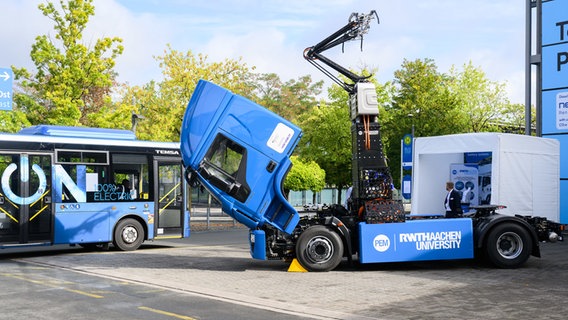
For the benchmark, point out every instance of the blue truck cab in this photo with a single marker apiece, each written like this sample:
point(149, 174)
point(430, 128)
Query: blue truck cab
point(239, 151)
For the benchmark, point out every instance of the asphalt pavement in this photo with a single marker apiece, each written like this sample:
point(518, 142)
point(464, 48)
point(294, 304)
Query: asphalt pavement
point(217, 265)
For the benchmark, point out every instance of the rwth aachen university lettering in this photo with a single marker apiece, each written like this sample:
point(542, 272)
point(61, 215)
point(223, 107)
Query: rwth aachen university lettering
point(433, 240)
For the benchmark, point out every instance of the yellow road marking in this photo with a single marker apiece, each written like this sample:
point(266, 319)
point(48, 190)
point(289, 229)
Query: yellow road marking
point(96, 296)
point(166, 313)
point(51, 284)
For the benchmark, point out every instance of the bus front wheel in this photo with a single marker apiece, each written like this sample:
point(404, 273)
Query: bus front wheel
point(128, 235)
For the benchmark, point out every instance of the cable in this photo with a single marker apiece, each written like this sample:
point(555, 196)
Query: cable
point(366, 128)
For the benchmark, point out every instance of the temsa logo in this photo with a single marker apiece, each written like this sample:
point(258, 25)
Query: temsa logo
point(381, 243)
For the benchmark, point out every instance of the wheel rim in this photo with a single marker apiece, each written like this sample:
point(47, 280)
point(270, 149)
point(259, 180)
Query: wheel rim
point(509, 245)
point(319, 250)
point(129, 234)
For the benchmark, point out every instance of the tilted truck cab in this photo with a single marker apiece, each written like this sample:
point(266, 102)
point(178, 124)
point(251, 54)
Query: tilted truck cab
point(240, 151)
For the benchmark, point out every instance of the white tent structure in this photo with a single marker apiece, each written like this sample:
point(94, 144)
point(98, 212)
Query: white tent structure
point(525, 173)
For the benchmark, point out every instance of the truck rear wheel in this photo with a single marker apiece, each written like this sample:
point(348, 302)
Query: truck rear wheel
point(319, 249)
point(508, 245)
point(128, 235)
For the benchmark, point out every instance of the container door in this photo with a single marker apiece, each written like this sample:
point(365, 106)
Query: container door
point(170, 200)
point(25, 199)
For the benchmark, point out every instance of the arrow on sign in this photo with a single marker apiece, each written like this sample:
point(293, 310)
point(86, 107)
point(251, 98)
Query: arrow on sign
point(6, 76)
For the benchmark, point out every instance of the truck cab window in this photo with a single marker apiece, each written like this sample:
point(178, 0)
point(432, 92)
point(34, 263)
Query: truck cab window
point(225, 167)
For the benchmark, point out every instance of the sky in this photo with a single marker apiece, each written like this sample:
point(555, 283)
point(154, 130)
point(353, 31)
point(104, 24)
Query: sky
point(271, 35)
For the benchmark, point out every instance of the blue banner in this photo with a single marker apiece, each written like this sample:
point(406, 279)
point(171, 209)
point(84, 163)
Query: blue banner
point(407, 152)
point(416, 240)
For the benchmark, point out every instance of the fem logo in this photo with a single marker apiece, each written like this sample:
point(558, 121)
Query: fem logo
point(24, 178)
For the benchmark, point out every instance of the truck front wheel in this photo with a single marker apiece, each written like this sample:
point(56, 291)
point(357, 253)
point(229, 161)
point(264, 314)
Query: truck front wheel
point(319, 249)
point(508, 245)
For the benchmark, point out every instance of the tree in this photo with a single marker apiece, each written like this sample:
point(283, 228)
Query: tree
point(13, 121)
point(72, 80)
point(327, 141)
point(512, 119)
point(423, 101)
point(481, 101)
point(162, 104)
point(304, 175)
point(289, 99)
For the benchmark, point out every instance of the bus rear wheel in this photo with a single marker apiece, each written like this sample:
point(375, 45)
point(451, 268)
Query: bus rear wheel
point(128, 235)
point(319, 249)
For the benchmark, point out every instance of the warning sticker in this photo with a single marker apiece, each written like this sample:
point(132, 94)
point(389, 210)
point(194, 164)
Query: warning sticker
point(280, 138)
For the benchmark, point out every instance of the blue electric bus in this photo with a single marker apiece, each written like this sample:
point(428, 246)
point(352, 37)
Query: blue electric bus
point(90, 187)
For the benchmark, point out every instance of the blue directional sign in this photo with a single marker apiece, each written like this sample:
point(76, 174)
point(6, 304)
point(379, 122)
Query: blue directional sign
point(407, 151)
point(6, 91)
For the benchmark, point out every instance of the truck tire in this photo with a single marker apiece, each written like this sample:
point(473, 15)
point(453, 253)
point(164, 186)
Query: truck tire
point(508, 245)
point(128, 235)
point(319, 249)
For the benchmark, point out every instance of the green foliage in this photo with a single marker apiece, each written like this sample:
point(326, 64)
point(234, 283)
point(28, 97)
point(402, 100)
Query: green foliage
point(13, 121)
point(72, 80)
point(513, 120)
point(327, 141)
point(435, 103)
point(304, 175)
point(290, 99)
point(422, 100)
point(482, 102)
point(163, 104)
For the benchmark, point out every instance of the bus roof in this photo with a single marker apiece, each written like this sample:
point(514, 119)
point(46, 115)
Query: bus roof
point(79, 132)
point(82, 136)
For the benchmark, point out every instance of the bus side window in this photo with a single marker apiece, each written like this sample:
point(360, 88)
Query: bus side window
point(131, 175)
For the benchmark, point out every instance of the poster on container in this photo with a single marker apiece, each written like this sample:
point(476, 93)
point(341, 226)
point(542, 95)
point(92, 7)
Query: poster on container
point(465, 178)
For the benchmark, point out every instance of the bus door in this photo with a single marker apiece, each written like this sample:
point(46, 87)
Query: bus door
point(26, 215)
point(170, 219)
